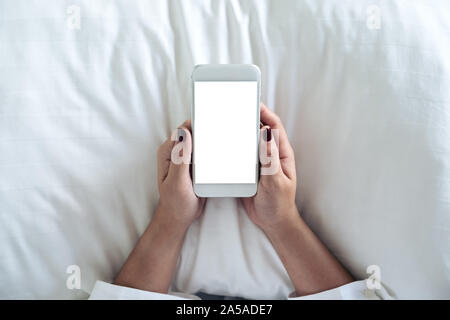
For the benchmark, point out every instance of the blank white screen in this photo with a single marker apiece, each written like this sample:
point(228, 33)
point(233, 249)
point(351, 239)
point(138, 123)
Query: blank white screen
point(225, 131)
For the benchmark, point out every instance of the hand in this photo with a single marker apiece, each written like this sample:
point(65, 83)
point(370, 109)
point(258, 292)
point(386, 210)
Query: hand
point(311, 267)
point(177, 201)
point(152, 263)
point(275, 201)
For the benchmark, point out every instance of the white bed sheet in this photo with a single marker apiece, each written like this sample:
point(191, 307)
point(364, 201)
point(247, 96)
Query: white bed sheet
point(82, 112)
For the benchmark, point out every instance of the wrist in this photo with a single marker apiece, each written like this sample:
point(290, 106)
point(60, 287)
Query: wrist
point(165, 220)
point(290, 218)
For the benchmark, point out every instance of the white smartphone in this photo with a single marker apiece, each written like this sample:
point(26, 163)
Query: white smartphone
point(225, 129)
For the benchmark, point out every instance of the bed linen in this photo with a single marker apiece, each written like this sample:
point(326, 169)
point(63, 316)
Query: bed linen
point(361, 86)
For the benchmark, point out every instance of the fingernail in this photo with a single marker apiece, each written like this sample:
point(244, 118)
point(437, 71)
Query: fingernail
point(180, 134)
point(268, 135)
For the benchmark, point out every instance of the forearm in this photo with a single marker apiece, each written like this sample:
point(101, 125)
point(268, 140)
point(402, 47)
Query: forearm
point(311, 267)
point(152, 263)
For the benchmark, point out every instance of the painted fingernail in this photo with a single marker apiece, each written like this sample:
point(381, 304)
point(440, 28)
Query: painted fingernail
point(268, 135)
point(180, 134)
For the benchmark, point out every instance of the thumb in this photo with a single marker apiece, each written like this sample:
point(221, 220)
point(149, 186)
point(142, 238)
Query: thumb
point(181, 152)
point(268, 152)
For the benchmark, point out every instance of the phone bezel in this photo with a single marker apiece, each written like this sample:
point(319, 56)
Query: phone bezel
point(226, 72)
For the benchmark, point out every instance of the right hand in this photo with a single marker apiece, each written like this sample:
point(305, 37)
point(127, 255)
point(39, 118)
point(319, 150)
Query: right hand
point(274, 202)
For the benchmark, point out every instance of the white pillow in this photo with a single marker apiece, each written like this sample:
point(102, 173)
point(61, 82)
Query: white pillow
point(82, 112)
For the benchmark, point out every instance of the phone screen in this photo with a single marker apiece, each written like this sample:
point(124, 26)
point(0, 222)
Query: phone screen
point(225, 142)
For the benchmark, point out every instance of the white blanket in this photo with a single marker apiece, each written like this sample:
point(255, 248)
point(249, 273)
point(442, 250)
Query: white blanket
point(363, 91)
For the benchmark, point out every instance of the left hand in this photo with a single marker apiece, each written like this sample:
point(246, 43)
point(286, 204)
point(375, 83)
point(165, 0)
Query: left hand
point(152, 263)
point(178, 202)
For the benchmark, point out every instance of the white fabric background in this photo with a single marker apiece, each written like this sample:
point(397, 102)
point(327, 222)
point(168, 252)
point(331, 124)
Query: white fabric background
point(83, 111)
